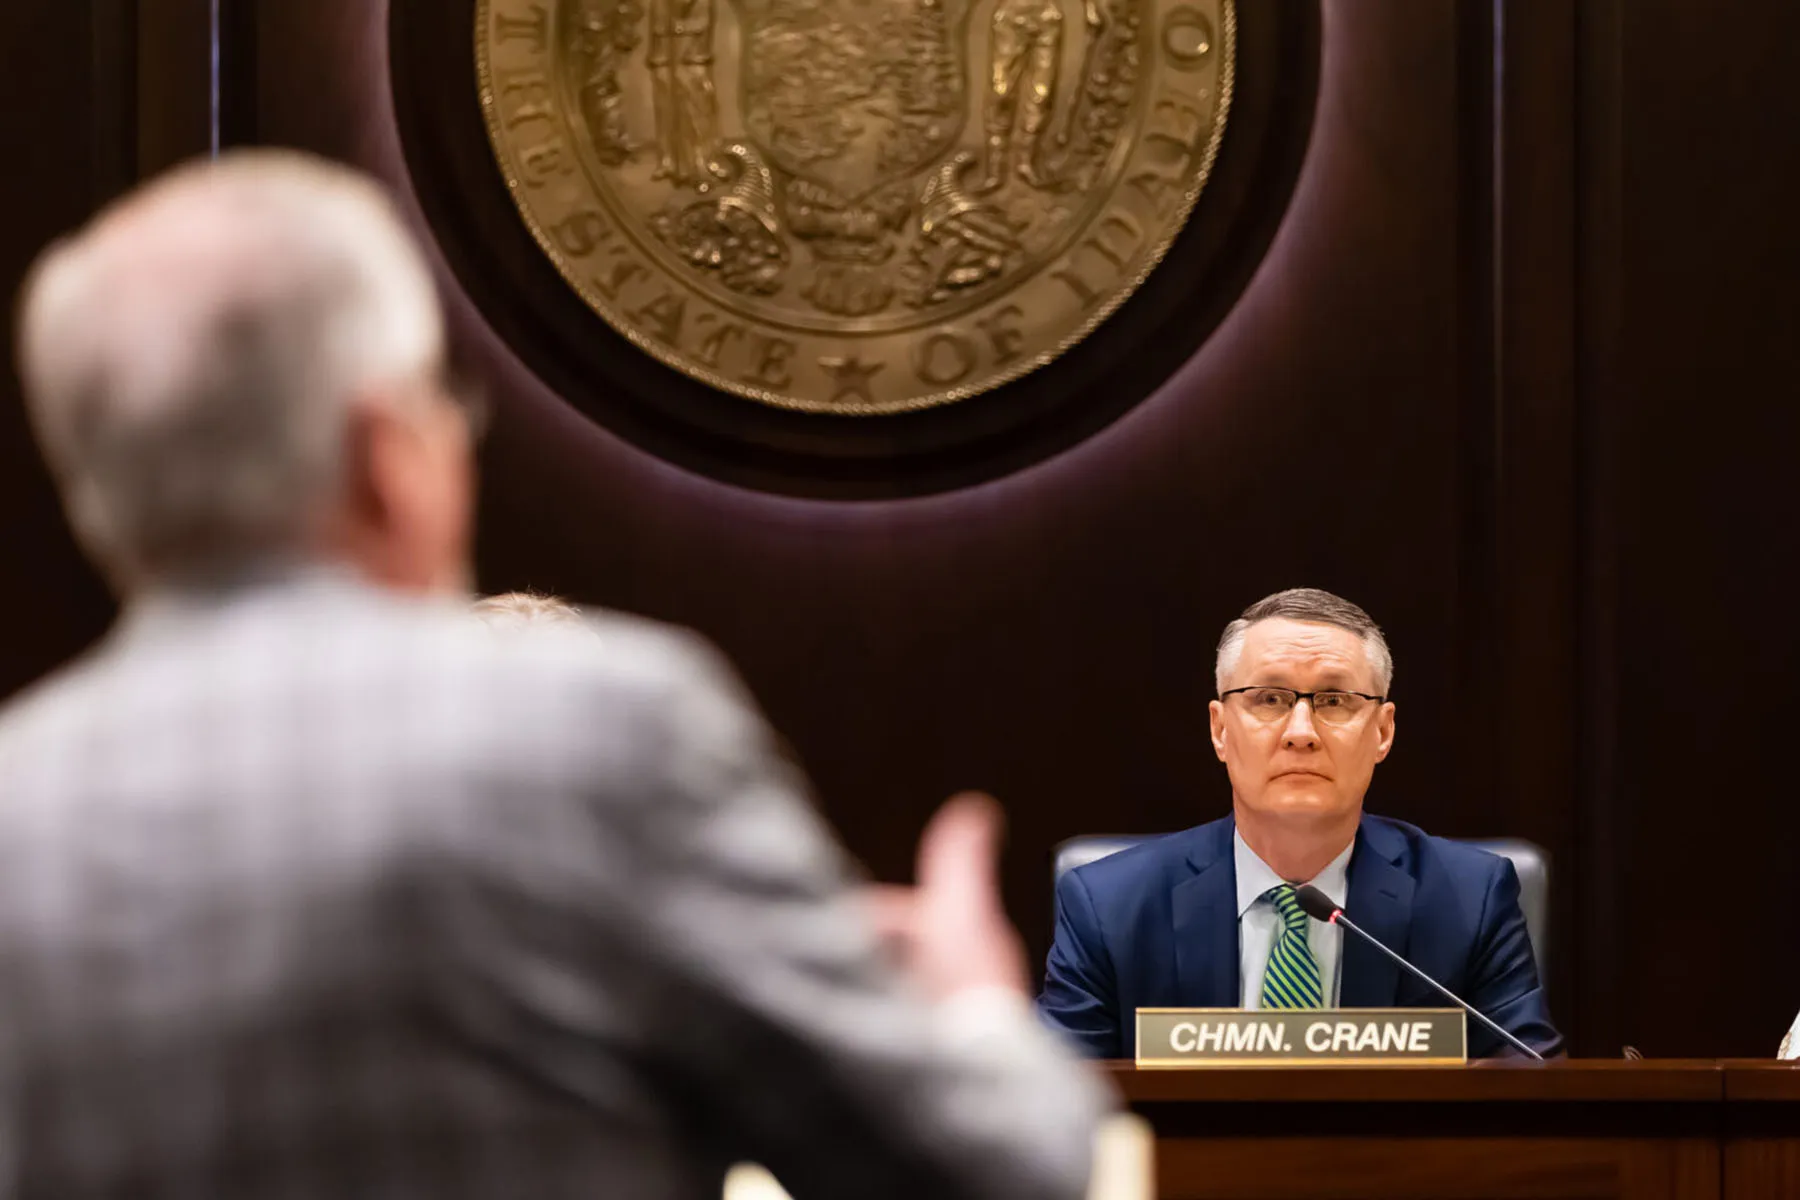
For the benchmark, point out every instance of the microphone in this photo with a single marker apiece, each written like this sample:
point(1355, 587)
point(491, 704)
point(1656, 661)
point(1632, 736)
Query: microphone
point(1318, 906)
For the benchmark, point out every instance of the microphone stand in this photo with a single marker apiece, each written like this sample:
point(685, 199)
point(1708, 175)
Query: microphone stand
point(1338, 918)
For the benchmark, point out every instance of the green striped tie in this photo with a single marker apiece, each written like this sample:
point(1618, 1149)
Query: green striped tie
point(1291, 979)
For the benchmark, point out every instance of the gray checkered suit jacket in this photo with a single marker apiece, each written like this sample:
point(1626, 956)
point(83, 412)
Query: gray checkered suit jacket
point(311, 891)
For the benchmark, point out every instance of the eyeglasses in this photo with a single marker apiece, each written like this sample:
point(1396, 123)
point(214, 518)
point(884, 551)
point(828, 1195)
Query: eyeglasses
point(1274, 704)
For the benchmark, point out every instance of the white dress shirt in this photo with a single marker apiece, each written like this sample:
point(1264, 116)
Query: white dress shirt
point(1259, 923)
point(1790, 1045)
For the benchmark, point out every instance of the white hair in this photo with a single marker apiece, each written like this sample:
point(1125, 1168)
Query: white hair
point(1306, 604)
point(189, 359)
point(516, 610)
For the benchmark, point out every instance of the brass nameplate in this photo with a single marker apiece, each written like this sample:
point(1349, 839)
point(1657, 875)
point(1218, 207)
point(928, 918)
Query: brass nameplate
point(1362, 1037)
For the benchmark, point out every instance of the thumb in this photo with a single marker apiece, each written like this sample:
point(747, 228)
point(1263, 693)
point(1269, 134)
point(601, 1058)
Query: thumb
point(891, 909)
point(959, 853)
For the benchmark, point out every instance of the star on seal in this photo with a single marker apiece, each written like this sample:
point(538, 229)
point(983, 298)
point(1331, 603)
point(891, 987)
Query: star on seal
point(852, 376)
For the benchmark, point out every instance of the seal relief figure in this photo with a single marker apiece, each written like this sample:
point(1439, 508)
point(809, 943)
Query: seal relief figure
point(855, 206)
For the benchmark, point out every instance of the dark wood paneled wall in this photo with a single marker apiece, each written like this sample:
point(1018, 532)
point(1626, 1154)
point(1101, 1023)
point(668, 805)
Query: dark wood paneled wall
point(67, 139)
point(95, 94)
point(1691, 430)
point(1512, 375)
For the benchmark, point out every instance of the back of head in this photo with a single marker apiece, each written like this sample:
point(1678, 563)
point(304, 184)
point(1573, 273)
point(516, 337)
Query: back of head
point(191, 356)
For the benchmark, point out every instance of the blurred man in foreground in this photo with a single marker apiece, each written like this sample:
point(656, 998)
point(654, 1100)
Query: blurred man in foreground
point(1208, 918)
point(315, 886)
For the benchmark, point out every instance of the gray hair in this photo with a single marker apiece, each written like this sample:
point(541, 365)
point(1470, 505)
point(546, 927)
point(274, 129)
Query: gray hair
point(1307, 604)
point(190, 358)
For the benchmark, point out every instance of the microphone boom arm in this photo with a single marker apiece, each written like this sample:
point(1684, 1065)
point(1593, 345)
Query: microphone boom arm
point(1339, 918)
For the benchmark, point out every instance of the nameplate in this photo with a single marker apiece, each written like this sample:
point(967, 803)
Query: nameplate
point(1362, 1037)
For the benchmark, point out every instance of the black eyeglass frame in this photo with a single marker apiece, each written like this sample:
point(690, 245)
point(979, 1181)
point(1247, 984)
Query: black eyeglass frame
point(1300, 695)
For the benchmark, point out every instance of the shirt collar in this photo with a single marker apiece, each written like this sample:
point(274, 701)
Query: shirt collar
point(197, 600)
point(1255, 877)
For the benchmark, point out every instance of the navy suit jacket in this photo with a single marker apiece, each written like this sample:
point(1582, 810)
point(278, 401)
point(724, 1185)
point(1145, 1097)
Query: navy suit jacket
point(1157, 926)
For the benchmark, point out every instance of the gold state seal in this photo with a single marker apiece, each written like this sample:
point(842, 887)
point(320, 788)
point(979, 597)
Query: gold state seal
point(855, 206)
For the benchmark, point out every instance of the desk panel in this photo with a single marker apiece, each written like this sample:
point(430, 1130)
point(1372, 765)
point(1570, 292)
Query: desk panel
point(1610, 1130)
point(1762, 1129)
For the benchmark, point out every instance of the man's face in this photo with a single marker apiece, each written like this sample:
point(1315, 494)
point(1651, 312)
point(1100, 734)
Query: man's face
point(1297, 766)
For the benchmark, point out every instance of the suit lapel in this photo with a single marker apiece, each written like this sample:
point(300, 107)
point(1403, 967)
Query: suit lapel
point(1380, 902)
point(1206, 926)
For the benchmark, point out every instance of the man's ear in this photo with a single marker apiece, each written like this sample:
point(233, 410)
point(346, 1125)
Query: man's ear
point(365, 498)
point(1384, 724)
point(389, 447)
point(1215, 711)
point(374, 494)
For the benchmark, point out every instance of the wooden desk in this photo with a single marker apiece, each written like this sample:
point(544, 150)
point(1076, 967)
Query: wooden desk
point(1762, 1129)
point(1672, 1130)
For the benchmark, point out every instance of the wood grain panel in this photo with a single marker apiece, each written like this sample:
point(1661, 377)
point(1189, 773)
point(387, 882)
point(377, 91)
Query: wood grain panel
point(1486, 1132)
point(1451, 1168)
point(1757, 1168)
point(1762, 1134)
point(67, 140)
point(1493, 1081)
point(1694, 299)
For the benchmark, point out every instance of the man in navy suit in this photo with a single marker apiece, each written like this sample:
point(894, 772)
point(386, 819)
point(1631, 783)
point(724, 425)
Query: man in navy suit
point(1206, 918)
